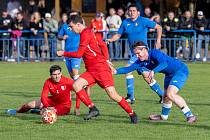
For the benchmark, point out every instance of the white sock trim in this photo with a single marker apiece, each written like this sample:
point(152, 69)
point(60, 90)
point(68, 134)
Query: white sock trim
point(75, 77)
point(129, 77)
point(164, 117)
point(185, 109)
point(154, 82)
point(167, 105)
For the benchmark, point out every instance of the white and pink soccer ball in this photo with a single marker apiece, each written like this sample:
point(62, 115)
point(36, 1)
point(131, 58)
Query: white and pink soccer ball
point(49, 115)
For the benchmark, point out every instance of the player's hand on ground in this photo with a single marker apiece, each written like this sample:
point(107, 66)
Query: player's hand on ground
point(60, 53)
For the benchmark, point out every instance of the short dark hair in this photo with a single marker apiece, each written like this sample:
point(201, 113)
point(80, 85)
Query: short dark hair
point(75, 19)
point(133, 5)
point(54, 68)
point(139, 43)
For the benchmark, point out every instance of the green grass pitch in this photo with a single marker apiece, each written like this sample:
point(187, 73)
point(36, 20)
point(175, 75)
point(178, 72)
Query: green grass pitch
point(21, 83)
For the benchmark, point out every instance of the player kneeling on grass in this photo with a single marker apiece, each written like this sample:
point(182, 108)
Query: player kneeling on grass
point(176, 74)
point(59, 87)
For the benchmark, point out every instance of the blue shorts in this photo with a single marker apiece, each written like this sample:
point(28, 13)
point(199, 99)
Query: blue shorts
point(178, 79)
point(73, 63)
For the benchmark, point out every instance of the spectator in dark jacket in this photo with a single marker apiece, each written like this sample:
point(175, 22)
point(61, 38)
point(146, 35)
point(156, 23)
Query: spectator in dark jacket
point(42, 8)
point(5, 42)
point(186, 23)
point(19, 26)
point(200, 24)
point(36, 27)
point(170, 23)
point(32, 7)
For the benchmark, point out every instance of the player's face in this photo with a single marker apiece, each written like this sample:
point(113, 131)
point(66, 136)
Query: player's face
point(141, 53)
point(56, 76)
point(133, 13)
point(75, 27)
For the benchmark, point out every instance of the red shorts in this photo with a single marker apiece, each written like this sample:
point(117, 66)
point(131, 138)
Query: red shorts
point(61, 109)
point(104, 78)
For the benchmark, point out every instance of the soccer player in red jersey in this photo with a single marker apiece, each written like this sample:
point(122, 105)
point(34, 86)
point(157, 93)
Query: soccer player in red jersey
point(97, 69)
point(60, 99)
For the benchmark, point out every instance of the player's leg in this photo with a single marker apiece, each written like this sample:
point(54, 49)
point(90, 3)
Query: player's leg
point(176, 83)
point(166, 105)
point(36, 104)
point(152, 82)
point(130, 82)
point(180, 102)
point(166, 109)
point(122, 102)
point(107, 83)
point(83, 81)
point(73, 66)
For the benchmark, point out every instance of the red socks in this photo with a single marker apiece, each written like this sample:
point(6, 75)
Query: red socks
point(126, 107)
point(23, 109)
point(77, 102)
point(83, 96)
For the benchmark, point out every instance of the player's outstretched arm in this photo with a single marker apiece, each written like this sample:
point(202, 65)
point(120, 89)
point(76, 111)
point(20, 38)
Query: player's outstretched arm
point(125, 70)
point(159, 34)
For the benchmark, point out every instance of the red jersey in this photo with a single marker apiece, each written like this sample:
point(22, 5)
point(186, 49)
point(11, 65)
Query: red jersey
point(94, 52)
point(60, 91)
point(98, 26)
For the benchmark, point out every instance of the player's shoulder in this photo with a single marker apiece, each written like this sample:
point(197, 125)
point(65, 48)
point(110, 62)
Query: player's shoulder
point(48, 81)
point(155, 52)
point(87, 30)
point(64, 26)
point(127, 20)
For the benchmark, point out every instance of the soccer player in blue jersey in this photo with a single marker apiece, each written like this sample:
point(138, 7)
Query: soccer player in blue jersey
point(71, 45)
point(136, 28)
point(176, 74)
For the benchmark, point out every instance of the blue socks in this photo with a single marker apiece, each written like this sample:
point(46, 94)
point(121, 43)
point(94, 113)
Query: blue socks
point(156, 88)
point(130, 86)
point(166, 109)
point(186, 111)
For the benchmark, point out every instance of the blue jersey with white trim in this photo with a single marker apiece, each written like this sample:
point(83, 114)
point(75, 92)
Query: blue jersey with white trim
point(72, 42)
point(157, 61)
point(136, 30)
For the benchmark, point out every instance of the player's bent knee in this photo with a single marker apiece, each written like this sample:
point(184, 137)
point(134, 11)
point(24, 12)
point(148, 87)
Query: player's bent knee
point(31, 104)
point(171, 96)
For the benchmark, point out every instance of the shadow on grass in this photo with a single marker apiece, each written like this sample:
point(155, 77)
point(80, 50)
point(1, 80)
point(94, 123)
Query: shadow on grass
point(200, 104)
point(167, 123)
point(102, 118)
point(101, 101)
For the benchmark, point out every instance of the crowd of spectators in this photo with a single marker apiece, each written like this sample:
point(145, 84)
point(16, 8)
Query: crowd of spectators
point(40, 38)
